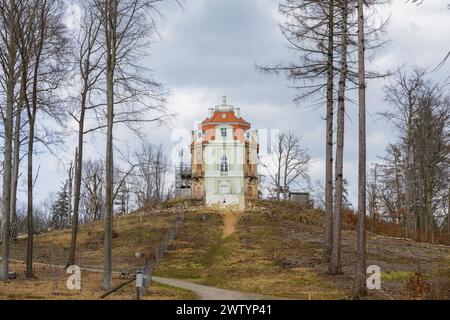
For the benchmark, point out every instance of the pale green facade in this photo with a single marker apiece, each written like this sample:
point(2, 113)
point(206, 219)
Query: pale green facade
point(224, 170)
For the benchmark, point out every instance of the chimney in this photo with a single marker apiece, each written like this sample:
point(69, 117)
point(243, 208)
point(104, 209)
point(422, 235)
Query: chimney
point(237, 112)
point(211, 112)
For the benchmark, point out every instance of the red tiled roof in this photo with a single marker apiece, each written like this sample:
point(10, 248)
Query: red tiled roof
point(229, 117)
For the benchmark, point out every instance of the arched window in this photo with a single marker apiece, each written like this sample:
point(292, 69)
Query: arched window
point(224, 165)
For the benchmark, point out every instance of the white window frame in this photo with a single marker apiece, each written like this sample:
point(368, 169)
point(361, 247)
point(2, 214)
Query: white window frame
point(223, 132)
point(224, 166)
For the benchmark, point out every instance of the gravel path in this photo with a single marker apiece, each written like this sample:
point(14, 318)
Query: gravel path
point(203, 292)
point(209, 293)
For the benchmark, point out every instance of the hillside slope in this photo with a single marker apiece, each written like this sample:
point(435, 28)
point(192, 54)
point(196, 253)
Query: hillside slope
point(139, 232)
point(271, 249)
point(277, 251)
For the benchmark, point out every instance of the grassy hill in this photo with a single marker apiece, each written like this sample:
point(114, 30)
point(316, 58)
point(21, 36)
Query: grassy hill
point(137, 232)
point(272, 249)
point(277, 250)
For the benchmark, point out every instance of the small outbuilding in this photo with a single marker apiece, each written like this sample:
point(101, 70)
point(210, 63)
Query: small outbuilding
point(302, 198)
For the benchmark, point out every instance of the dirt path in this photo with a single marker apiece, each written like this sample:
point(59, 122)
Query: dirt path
point(229, 221)
point(209, 293)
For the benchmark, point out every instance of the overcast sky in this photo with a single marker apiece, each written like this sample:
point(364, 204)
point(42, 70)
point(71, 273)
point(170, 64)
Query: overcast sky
point(210, 48)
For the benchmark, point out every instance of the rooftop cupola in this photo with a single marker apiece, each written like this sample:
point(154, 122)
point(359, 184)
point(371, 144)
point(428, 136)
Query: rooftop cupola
point(224, 106)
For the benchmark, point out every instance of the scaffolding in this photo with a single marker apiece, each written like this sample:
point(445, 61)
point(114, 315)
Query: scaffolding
point(183, 175)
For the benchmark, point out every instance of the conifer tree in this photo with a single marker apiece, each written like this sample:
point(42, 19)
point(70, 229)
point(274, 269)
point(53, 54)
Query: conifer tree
point(60, 208)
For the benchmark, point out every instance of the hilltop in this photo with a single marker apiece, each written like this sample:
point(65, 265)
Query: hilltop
point(271, 249)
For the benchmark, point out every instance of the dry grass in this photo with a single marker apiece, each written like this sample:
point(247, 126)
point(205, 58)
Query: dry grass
point(50, 283)
point(246, 260)
point(277, 251)
point(139, 232)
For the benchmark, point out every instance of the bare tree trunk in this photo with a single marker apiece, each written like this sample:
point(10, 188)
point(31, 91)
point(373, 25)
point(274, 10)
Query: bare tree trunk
point(374, 213)
point(329, 138)
point(87, 66)
point(360, 276)
point(31, 134)
point(407, 170)
point(111, 9)
point(8, 136)
point(18, 143)
point(70, 187)
point(15, 170)
point(279, 164)
point(285, 175)
point(75, 219)
point(335, 260)
point(77, 191)
point(30, 232)
point(448, 215)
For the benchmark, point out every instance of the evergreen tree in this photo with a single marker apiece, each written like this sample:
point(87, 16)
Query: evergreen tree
point(60, 208)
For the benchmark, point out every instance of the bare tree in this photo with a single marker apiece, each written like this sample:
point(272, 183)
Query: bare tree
point(48, 70)
point(88, 56)
point(25, 42)
point(313, 30)
point(287, 166)
point(372, 193)
point(126, 26)
point(70, 189)
point(335, 259)
point(359, 287)
point(8, 55)
point(93, 190)
point(329, 140)
point(403, 94)
point(421, 114)
point(152, 166)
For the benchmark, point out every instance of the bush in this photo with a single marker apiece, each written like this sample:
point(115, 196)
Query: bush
point(416, 287)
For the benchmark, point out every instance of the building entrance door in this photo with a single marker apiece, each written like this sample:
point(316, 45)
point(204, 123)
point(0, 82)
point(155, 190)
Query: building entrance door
point(224, 188)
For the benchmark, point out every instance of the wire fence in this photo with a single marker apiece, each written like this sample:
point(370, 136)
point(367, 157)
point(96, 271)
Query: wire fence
point(52, 274)
point(144, 274)
point(160, 250)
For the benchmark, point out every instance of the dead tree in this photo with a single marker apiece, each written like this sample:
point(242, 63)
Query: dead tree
point(310, 29)
point(329, 137)
point(335, 259)
point(359, 287)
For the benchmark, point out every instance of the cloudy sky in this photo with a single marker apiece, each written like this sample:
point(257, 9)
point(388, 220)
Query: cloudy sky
point(210, 47)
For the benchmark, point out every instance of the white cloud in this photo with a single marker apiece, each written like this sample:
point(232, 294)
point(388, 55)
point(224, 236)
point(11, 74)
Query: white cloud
point(211, 48)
